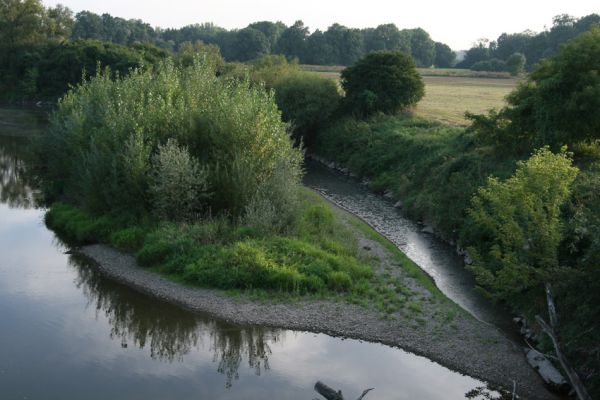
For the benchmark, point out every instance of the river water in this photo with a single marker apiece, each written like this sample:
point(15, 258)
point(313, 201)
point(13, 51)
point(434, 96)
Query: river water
point(437, 258)
point(67, 332)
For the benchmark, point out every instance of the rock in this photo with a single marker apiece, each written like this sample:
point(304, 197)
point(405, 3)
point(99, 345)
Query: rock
point(331, 165)
point(547, 371)
point(344, 171)
point(367, 248)
point(428, 229)
point(468, 260)
point(399, 204)
point(388, 194)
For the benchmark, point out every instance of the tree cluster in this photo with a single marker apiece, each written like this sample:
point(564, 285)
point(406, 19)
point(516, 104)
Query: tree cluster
point(499, 55)
point(557, 104)
point(338, 45)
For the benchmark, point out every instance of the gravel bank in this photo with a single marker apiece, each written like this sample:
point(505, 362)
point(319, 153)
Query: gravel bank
point(462, 343)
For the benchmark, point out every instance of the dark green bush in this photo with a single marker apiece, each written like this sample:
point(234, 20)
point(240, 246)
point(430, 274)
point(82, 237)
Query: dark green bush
point(384, 81)
point(556, 105)
point(308, 101)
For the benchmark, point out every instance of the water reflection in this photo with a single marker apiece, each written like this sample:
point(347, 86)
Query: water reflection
point(169, 332)
point(15, 185)
point(68, 332)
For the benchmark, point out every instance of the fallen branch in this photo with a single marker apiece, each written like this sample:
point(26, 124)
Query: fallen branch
point(331, 394)
point(581, 391)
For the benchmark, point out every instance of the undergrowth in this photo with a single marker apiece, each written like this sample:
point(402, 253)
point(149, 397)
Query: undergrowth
point(319, 258)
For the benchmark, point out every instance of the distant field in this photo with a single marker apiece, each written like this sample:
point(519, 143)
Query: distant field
point(449, 93)
point(448, 98)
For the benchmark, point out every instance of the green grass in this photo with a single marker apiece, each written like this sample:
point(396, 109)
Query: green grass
point(320, 258)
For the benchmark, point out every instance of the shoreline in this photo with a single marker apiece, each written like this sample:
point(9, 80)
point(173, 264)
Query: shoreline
point(466, 345)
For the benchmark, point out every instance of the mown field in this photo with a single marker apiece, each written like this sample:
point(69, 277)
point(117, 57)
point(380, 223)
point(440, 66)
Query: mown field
point(449, 93)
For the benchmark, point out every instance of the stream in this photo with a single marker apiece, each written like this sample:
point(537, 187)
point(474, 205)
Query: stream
point(67, 332)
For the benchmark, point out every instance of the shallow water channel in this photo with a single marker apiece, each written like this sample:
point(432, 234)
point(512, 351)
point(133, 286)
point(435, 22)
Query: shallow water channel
point(67, 332)
point(439, 259)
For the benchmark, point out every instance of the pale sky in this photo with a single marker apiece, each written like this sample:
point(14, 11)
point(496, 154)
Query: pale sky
point(458, 22)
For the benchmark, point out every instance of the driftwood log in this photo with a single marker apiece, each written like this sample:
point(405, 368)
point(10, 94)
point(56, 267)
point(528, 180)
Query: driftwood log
point(581, 391)
point(331, 394)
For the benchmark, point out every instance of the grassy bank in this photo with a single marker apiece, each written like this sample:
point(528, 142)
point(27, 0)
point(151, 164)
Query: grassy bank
point(435, 170)
point(319, 258)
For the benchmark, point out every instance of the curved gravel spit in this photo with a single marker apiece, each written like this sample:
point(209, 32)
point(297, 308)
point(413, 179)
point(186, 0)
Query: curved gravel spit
point(469, 346)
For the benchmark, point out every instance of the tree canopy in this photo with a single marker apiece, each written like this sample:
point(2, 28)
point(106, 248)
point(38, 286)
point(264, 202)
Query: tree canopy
point(382, 81)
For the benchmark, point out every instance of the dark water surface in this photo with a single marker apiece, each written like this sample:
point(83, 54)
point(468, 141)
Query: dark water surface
point(66, 332)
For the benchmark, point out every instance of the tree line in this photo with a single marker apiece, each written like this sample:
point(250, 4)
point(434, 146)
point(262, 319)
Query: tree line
point(338, 45)
point(532, 47)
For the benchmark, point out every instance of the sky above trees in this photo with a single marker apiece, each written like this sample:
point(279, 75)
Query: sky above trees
point(458, 23)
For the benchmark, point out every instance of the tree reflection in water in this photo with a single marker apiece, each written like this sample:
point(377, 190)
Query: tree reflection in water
point(15, 188)
point(17, 128)
point(170, 332)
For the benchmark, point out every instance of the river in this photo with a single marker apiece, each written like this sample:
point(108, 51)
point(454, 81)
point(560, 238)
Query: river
point(67, 332)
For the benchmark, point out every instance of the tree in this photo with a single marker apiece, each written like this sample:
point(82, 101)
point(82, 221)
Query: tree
point(559, 101)
point(422, 47)
point(59, 22)
point(271, 30)
point(308, 101)
point(515, 64)
point(250, 44)
point(209, 53)
point(21, 22)
point(292, 42)
point(479, 52)
point(444, 56)
point(88, 26)
point(514, 227)
point(385, 37)
point(318, 50)
point(382, 82)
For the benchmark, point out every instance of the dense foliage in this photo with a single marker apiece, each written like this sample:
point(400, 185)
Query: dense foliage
point(319, 254)
point(516, 229)
point(527, 220)
point(534, 46)
point(383, 81)
point(115, 144)
point(338, 45)
point(46, 71)
point(308, 101)
point(556, 105)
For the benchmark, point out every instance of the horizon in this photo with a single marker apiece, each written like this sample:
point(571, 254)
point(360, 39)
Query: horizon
point(441, 23)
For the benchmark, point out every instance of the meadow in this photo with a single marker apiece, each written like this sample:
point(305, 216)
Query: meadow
point(449, 93)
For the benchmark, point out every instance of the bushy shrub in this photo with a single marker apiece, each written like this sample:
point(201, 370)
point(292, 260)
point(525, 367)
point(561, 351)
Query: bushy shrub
point(515, 229)
point(493, 65)
point(178, 186)
point(275, 204)
point(382, 81)
point(515, 64)
point(107, 131)
point(308, 101)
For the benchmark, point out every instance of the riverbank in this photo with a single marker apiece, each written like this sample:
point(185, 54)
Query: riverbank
point(436, 330)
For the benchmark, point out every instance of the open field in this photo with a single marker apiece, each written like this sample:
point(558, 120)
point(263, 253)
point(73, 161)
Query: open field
point(448, 98)
point(449, 93)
